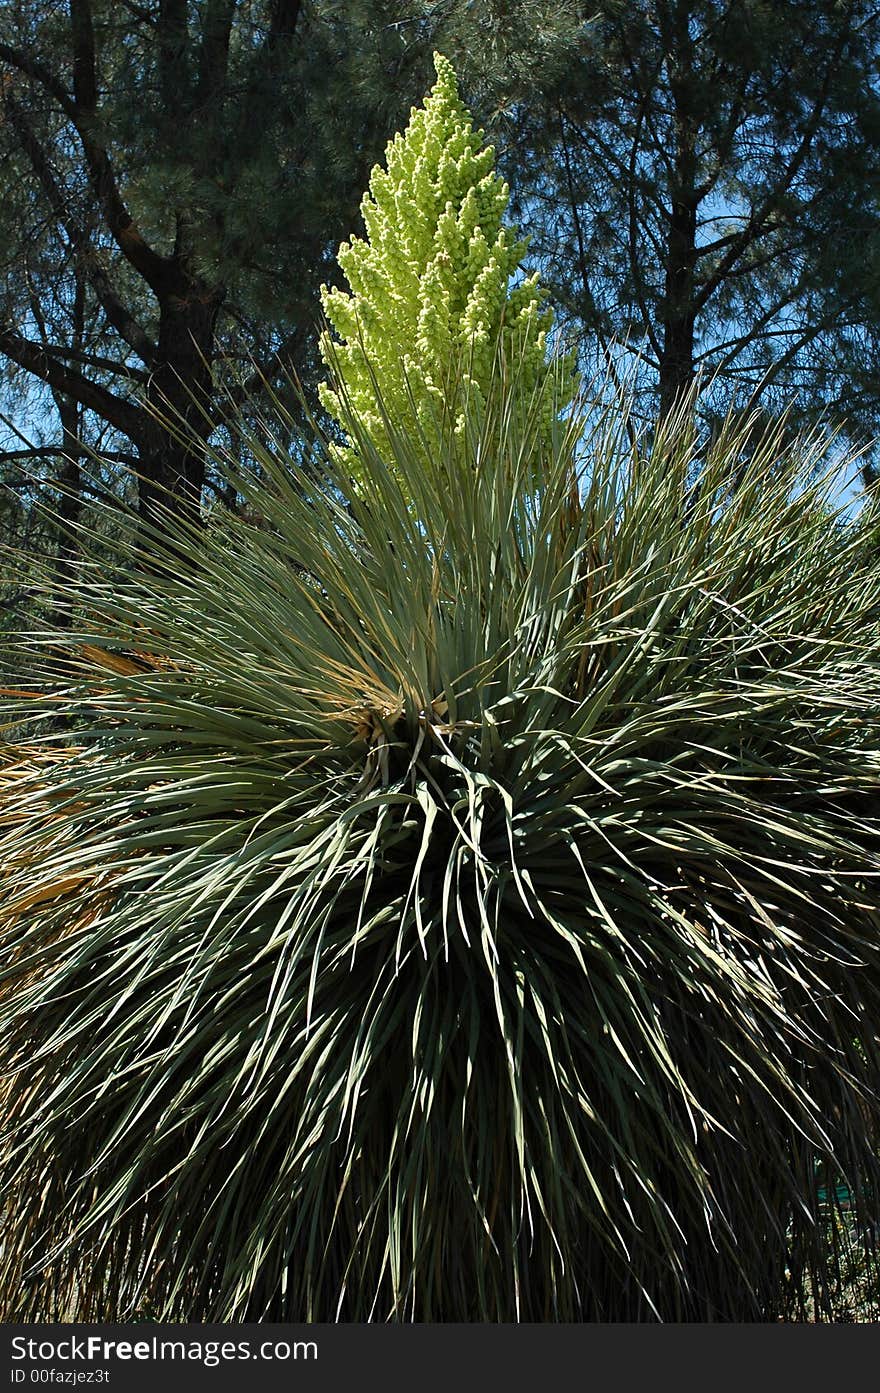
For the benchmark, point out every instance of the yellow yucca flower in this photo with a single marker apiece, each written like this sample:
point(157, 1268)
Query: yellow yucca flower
point(432, 296)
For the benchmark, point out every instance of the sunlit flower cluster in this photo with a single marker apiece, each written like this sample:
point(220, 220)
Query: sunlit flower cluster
point(434, 302)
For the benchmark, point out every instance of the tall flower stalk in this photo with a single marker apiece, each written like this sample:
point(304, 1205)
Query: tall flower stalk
point(436, 299)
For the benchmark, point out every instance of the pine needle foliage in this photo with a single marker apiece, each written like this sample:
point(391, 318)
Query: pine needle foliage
point(462, 906)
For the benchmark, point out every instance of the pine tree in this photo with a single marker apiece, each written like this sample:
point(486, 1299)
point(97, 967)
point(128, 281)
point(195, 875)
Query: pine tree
point(699, 180)
point(434, 304)
point(176, 174)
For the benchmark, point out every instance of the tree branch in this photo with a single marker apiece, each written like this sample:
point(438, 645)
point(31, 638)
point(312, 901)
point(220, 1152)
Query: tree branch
point(117, 315)
point(57, 451)
point(817, 328)
point(214, 53)
point(585, 280)
point(282, 25)
point(153, 267)
point(264, 372)
point(758, 224)
point(95, 360)
point(81, 111)
point(31, 67)
point(256, 108)
point(174, 78)
point(34, 358)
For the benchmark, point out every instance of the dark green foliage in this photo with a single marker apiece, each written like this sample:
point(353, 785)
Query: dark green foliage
point(457, 906)
point(698, 177)
point(175, 178)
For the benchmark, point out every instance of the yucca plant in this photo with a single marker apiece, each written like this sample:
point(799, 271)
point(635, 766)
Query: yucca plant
point(458, 898)
point(470, 913)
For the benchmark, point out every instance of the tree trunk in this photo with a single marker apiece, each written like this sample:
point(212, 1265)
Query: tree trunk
point(179, 399)
point(679, 317)
point(70, 416)
point(69, 507)
point(677, 358)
